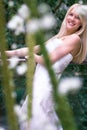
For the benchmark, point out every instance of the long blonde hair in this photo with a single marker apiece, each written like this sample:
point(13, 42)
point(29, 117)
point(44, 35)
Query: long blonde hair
point(82, 32)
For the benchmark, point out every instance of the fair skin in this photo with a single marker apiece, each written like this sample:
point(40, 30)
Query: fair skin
point(72, 22)
point(70, 42)
point(65, 48)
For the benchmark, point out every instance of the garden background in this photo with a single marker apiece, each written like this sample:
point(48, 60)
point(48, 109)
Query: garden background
point(77, 101)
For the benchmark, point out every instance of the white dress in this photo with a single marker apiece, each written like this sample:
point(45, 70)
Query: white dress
point(42, 104)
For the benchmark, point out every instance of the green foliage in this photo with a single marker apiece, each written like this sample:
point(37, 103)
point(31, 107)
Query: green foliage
point(11, 11)
point(78, 102)
point(7, 86)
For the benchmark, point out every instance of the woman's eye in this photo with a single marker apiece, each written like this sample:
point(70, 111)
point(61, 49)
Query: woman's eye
point(71, 14)
point(77, 17)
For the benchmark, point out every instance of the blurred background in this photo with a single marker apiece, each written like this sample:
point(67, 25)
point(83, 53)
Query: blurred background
point(77, 101)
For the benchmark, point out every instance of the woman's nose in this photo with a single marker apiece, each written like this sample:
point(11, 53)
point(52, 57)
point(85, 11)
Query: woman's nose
point(73, 18)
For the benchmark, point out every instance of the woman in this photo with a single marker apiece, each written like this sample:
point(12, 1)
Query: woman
point(70, 44)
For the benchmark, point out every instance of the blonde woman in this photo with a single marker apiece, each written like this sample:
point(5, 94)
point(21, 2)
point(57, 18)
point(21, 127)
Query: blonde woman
point(70, 44)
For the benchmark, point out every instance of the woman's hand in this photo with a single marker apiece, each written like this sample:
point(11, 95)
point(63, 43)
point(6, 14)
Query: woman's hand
point(39, 59)
point(22, 52)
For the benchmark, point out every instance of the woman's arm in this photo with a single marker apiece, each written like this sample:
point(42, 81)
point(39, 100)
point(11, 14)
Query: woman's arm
point(22, 52)
point(69, 45)
point(37, 49)
point(39, 59)
point(18, 52)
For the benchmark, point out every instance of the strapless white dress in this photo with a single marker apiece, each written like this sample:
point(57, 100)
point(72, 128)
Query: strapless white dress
point(42, 104)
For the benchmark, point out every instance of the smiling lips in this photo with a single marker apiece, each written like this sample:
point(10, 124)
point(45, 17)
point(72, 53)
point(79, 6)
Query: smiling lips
point(72, 24)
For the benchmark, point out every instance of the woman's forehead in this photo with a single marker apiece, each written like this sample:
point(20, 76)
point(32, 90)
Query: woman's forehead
point(74, 10)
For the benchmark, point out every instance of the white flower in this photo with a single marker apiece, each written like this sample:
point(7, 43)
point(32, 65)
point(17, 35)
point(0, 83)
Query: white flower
point(14, 46)
point(45, 23)
point(48, 21)
point(43, 8)
point(24, 11)
point(67, 85)
point(11, 3)
point(33, 25)
point(13, 61)
point(21, 69)
point(1, 128)
point(14, 95)
point(63, 7)
point(80, 1)
point(16, 24)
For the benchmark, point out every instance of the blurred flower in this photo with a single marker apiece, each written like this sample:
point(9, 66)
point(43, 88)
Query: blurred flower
point(14, 95)
point(21, 20)
point(14, 46)
point(16, 24)
point(13, 61)
point(67, 85)
point(11, 3)
point(43, 8)
point(80, 1)
point(24, 11)
point(47, 21)
point(21, 69)
point(1, 128)
point(33, 25)
point(63, 7)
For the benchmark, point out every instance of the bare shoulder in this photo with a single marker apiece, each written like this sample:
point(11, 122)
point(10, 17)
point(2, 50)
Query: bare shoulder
point(72, 43)
point(75, 44)
point(75, 38)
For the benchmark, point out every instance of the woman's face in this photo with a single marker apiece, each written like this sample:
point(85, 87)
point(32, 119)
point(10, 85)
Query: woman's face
point(73, 22)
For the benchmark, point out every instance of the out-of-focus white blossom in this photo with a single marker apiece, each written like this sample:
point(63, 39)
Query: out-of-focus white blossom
point(67, 85)
point(24, 11)
point(80, 1)
point(21, 69)
point(33, 25)
point(14, 95)
point(43, 8)
point(11, 3)
point(16, 24)
point(77, 73)
point(14, 46)
point(63, 7)
point(48, 21)
point(13, 61)
point(1, 128)
point(21, 20)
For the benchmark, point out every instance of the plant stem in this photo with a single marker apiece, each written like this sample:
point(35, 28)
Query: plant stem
point(30, 41)
point(6, 74)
